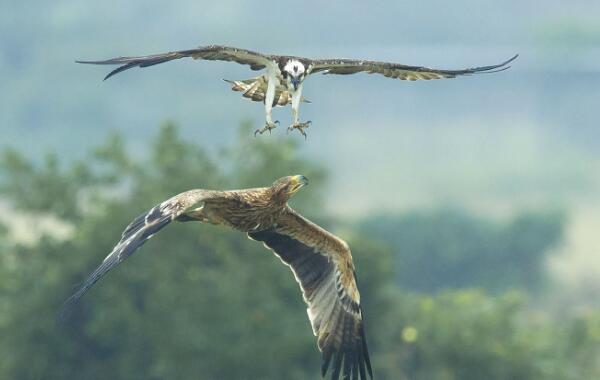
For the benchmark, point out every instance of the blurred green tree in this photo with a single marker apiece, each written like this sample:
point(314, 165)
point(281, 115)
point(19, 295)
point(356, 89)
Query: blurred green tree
point(197, 301)
point(204, 302)
point(450, 248)
point(465, 335)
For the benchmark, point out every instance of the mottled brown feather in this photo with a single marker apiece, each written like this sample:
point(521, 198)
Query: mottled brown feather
point(322, 265)
point(321, 262)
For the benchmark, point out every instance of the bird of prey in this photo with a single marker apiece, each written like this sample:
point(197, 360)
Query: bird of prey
point(320, 261)
point(282, 82)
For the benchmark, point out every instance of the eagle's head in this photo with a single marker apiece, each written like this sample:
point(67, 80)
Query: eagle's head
point(285, 187)
point(294, 72)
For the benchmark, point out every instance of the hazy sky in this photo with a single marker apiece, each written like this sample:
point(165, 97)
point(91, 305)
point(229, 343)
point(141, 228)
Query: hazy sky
point(525, 135)
point(522, 139)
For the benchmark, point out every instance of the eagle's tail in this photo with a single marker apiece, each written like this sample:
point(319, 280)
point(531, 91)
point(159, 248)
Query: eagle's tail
point(256, 88)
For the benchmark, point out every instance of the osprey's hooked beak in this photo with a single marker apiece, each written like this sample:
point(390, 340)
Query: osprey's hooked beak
point(295, 82)
point(298, 182)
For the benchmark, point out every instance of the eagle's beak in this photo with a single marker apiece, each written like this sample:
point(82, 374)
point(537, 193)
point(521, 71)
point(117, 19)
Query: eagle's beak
point(298, 182)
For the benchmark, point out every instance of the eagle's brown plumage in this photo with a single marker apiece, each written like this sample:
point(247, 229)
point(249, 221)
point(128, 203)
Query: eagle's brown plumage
point(321, 262)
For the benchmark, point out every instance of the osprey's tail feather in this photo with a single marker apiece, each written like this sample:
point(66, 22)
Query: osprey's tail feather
point(256, 88)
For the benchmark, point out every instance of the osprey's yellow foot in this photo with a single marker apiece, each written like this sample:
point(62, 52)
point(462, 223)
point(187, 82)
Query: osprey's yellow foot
point(268, 126)
point(300, 127)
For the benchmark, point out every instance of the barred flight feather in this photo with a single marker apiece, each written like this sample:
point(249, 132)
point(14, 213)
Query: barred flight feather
point(335, 317)
point(134, 236)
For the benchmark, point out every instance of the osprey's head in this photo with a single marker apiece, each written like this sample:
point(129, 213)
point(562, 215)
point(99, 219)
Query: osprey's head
point(285, 187)
point(294, 72)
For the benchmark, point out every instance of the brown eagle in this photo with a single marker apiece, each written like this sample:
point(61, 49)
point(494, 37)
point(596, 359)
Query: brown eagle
point(321, 262)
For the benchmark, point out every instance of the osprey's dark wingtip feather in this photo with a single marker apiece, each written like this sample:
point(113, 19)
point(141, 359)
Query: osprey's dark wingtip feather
point(119, 69)
point(129, 62)
point(507, 61)
point(255, 60)
point(494, 71)
point(114, 61)
point(495, 68)
point(511, 59)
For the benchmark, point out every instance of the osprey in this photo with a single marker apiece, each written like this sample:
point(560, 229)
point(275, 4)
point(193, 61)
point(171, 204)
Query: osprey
point(282, 82)
point(320, 261)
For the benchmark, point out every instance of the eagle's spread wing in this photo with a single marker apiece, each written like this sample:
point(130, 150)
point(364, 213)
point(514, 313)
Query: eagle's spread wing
point(136, 234)
point(396, 70)
point(322, 265)
point(255, 60)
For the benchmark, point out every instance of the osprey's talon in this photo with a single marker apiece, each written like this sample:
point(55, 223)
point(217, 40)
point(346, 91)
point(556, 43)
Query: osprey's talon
point(300, 127)
point(267, 127)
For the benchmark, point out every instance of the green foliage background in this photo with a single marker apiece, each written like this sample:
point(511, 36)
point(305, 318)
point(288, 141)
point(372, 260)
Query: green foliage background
point(204, 302)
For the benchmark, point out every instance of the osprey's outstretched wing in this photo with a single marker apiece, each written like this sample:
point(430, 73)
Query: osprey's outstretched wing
point(396, 70)
point(136, 234)
point(322, 265)
point(255, 60)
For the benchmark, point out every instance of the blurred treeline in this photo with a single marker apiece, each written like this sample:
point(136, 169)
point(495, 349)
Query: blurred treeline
point(446, 294)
